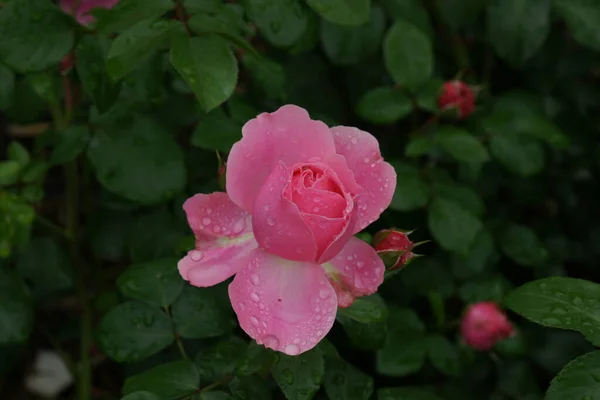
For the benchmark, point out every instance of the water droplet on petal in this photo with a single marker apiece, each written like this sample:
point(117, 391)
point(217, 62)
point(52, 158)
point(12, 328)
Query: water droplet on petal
point(360, 264)
point(196, 255)
point(271, 221)
point(254, 279)
point(366, 159)
point(324, 293)
point(254, 320)
point(238, 226)
point(271, 342)
point(292, 349)
point(205, 221)
point(354, 140)
point(254, 297)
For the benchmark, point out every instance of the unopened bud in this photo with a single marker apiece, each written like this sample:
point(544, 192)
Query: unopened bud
point(458, 96)
point(394, 247)
point(484, 324)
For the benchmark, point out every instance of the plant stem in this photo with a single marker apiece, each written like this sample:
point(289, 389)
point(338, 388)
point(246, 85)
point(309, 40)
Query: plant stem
point(177, 337)
point(50, 225)
point(215, 384)
point(180, 13)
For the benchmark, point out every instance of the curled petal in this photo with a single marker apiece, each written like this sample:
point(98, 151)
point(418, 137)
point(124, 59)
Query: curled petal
point(215, 215)
point(377, 177)
point(356, 271)
point(284, 305)
point(287, 135)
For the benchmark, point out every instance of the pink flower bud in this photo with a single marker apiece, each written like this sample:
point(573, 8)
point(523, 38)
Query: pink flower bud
point(394, 247)
point(459, 96)
point(484, 324)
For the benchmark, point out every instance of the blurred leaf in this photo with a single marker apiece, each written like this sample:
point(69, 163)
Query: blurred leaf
point(141, 395)
point(134, 331)
point(518, 380)
point(461, 145)
point(518, 154)
point(255, 359)
point(153, 235)
point(7, 86)
point(108, 233)
point(268, 76)
point(366, 309)
point(220, 360)
point(168, 381)
point(412, 191)
point(420, 145)
point(142, 162)
point(213, 82)
point(581, 17)
point(16, 313)
point(578, 380)
point(9, 172)
point(212, 396)
point(200, 313)
point(34, 172)
point(127, 13)
point(454, 227)
point(90, 55)
point(136, 45)
point(384, 105)
point(405, 393)
point(45, 266)
point(492, 289)
point(466, 197)
point(426, 275)
point(299, 377)
point(443, 355)
point(249, 387)
point(346, 45)
point(157, 282)
point(69, 143)
point(408, 54)
point(343, 12)
point(522, 245)
point(34, 35)
point(412, 11)
point(17, 152)
point(281, 22)
point(216, 131)
point(462, 13)
point(518, 28)
point(344, 381)
point(565, 303)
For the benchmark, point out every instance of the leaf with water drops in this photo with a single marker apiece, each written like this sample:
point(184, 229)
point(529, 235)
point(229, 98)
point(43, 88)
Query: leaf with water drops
point(133, 331)
point(579, 380)
point(282, 22)
point(220, 360)
point(343, 12)
point(559, 302)
point(127, 13)
point(299, 377)
point(256, 358)
point(250, 388)
point(168, 381)
point(208, 65)
point(366, 309)
point(157, 282)
point(344, 381)
point(405, 393)
point(202, 313)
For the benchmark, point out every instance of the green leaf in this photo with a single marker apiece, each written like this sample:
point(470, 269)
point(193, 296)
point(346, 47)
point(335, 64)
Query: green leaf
point(492, 289)
point(90, 55)
point(16, 312)
point(168, 381)
point(34, 35)
point(142, 163)
point(408, 54)
point(207, 64)
point(268, 77)
point(578, 379)
point(344, 381)
point(410, 10)
point(454, 227)
point(412, 192)
point(522, 245)
point(200, 313)
point(136, 46)
point(405, 393)
point(250, 387)
point(212, 396)
point(153, 235)
point(443, 355)
point(216, 131)
point(403, 354)
point(384, 105)
point(255, 359)
point(420, 145)
point(17, 152)
point(9, 172)
point(35, 172)
point(133, 331)
point(299, 377)
point(69, 143)
point(462, 195)
point(428, 94)
point(220, 360)
point(157, 282)
point(347, 45)
point(582, 18)
point(343, 12)
point(517, 29)
point(281, 22)
point(224, 22)
point(141, 395)
point(127, 13)
point(45, 266)
point(518, 154)
point(558, 302)
point(366, 310)
point(364, 336)
point(7, 87)
point(461, 145)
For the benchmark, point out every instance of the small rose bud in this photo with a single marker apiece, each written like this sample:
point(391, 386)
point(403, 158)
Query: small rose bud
point(67, 63)
point(484, 324)
point(457, 95)
point(394, 247)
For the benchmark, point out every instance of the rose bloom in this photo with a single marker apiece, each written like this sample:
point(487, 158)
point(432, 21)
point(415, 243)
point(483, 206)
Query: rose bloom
point(297, 192)
point(82, 14)
point(484, 324)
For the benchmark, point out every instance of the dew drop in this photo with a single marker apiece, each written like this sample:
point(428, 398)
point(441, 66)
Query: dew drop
point(254, 279)
point(292, 349)
point(271, 221)
point(366, 159)
point(205, 221)
point(324, 293)
point(360, 264)
point(254, 297)
point(238, 226)
point(216, 229)
point(316, 209)
point(267, 207)
point(271, 342)
point(254, 320)
point(196, 255)
point(354, 140)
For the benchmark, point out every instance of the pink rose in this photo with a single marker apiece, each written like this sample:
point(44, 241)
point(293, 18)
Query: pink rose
point(484, 324)
point(297, 192)
point(82, 14)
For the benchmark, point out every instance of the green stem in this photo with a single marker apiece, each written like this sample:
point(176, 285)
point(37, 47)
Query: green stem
point(50, 225)
point(177, 337)
point(215, 384)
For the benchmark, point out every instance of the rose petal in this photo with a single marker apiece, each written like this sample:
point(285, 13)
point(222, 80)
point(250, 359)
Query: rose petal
point(277, 223)
point(287, 135)
point(356, 271)
point(286, 306)
point(377, 177)
point(82, 14)
point(214, 261)
point(215, 215)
